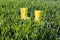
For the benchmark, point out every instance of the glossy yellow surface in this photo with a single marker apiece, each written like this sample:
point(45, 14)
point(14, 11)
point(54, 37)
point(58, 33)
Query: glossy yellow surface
point(24, 12)
point(38, 15)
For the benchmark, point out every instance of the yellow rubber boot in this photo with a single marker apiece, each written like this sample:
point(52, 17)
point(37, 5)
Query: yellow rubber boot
point(38, 15)
point(24, 12)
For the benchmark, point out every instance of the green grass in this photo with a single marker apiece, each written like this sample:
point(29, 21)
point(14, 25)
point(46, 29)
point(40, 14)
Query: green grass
point(13, 28)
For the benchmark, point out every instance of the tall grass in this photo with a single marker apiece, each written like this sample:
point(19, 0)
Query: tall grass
point(13, 28)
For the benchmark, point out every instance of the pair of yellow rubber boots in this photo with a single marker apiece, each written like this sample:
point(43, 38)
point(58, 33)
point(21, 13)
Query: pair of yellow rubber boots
point(24, 12)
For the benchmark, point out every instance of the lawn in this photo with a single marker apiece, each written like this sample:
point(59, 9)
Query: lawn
point(12, 27)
